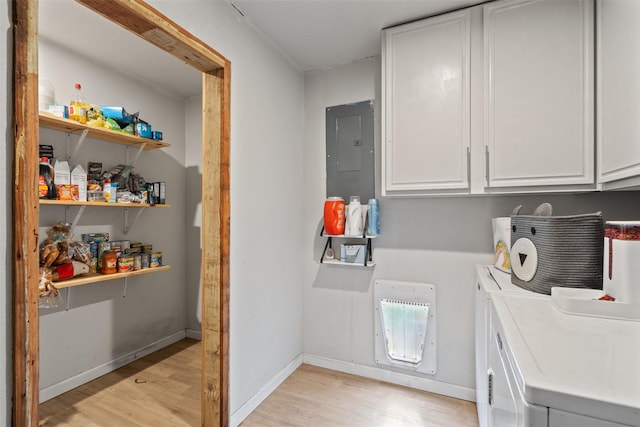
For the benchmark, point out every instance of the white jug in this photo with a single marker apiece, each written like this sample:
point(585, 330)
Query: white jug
point(355, 225)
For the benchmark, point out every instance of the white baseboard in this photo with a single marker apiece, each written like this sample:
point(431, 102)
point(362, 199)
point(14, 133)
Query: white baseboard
point(194, 334)
point(243, 412)
point(90, 375)
point(420, 383)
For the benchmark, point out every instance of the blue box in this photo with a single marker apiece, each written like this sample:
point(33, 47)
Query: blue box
point(143, 130)
point(156, 134)
point(116, 113)
point(59, 110)
point(353, 253)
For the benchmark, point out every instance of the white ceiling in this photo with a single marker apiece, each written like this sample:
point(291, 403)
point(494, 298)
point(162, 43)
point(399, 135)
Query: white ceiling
point(312, 34)
point(316, 34)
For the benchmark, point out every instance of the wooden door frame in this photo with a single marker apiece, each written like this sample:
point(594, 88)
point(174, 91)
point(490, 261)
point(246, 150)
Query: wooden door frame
point(145, 21)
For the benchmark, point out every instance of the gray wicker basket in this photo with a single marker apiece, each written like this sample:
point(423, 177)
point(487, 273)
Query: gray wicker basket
point(565, 251)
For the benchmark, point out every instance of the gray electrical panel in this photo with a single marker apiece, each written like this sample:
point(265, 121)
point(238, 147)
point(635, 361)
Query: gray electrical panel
point(350, 151)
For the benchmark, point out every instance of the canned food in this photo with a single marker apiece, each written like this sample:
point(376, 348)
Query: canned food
point(125, 263)
point(137, 262)
point(144, 260)
point(155, 259)
point(109, 262)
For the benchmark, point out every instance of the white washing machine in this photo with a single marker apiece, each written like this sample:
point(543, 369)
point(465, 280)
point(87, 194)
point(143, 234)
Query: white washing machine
point(545, 368)
point(488, 280)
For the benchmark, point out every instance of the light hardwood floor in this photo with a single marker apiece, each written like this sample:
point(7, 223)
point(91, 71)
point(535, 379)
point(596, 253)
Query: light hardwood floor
point(162, 389)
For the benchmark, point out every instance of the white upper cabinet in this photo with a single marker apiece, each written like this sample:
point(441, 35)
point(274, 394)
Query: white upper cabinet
point(538, 94)
point(426, 112)
point(619, 93)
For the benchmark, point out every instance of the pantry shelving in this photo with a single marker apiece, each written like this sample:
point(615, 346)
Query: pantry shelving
point(50, 121)
point(101, 204)
point(97, 277)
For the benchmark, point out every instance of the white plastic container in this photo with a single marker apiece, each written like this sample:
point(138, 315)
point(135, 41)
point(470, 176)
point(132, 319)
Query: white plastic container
point(502, 243)
point(63, 174)
point(355, 224)
point(46, 94)
point(621, 269)
point(79, 177)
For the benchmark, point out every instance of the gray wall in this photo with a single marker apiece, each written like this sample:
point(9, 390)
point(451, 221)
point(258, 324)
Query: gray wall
point(266, 197)
point(433, 240)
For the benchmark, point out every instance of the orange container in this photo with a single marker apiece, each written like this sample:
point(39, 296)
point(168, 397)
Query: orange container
point(109, 262)
point(334, 216)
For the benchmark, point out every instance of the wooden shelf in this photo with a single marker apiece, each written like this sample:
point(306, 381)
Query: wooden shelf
point(50, 121)
point(97, 277)
point(101, 204)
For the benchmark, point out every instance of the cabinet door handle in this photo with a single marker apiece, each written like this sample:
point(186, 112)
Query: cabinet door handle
point(486, 166)
point(490, 387)
point(469, 166)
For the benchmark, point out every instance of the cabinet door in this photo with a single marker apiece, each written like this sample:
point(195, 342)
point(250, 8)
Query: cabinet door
point(539, 124)
point(618, 89)
point(425, 74)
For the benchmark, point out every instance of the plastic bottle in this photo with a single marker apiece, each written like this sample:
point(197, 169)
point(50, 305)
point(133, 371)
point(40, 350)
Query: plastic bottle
point(106, 190)
point(354, 217)
point(78, 108)
point(114, 193)
point(373, 226)
point(334, 216)
point(46, 185)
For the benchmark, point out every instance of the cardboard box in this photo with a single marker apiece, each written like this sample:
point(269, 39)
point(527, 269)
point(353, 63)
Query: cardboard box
point(62, 172)
point(79, 178)
point(59, 111)
point(143, 130)
point(353, 253)
point(118, 114)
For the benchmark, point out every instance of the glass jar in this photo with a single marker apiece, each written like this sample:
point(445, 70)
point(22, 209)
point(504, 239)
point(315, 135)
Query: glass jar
point(109, 262)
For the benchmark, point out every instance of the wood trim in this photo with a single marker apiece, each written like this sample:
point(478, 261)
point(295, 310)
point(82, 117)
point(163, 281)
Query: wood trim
point(25, 214)
point(215, 248)
point(145, 21)
point(139, 18)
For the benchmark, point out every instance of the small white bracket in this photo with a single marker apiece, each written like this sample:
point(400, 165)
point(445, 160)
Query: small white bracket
point(81, 140)
point(127, 227)
point(135, 158)
point(67, 298)
point(77, 217)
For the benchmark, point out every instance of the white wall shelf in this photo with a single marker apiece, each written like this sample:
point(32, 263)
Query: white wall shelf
point(368, 258)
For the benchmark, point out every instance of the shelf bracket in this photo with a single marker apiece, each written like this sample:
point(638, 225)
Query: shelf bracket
point(67, 298)
point(135, 159)
point(124, 288)
point(135, 219)
point(327, 245)
point(81, 140)
point(78, 215)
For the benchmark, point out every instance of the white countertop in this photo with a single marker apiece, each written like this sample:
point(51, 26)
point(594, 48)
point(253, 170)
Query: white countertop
point(585, 365)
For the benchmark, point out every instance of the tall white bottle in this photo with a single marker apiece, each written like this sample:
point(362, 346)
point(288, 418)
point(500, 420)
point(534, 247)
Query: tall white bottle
point(355, 225)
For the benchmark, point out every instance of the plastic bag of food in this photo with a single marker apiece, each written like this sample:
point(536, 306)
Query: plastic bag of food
point(60, 232)
point(49, 295)
point(81, 251)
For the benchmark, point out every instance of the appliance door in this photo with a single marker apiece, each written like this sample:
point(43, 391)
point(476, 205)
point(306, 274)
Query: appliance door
point(507, 407)
point(482, 306)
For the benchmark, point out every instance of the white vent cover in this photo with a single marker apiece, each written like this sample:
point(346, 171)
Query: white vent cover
point(405, 325)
